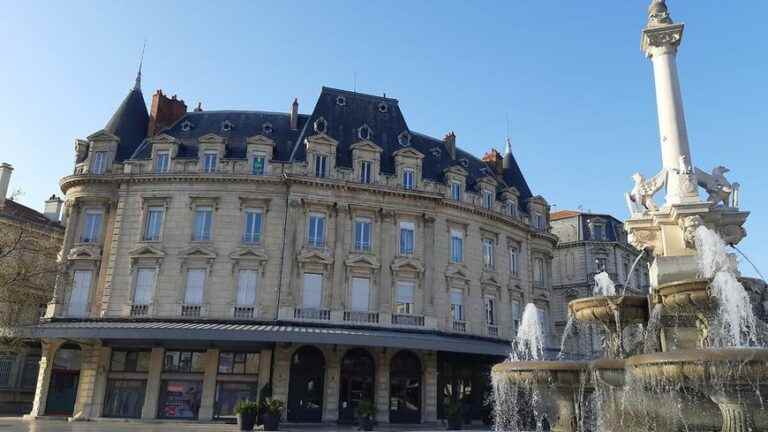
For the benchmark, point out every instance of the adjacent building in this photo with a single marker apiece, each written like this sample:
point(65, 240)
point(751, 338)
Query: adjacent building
point(20, 226)
point(322, 258)
point(590, 243)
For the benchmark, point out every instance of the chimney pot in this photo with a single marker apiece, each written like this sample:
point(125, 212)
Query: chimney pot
point(52, 209)
point(5, 179)
point(164, 112)
point(294, 120)
point(450, 144)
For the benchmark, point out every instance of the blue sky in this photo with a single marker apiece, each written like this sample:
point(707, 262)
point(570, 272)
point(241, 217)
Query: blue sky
point(567, 74)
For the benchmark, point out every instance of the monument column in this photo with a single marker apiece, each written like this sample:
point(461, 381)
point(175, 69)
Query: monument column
point(661, 39)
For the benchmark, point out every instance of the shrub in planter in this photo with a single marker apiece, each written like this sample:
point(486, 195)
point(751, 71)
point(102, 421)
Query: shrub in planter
point(453, 415)
point(366, 415)
point(247, 412)
point(273, 411)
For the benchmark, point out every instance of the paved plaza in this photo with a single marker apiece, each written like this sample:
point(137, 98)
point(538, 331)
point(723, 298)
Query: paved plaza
point(18, 425)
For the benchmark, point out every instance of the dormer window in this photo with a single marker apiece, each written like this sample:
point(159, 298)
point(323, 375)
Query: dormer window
point(341, 100)
point(267, 129)
point(404, 139)
point(162, 162)
point(436, 152)
point(598, 231)
point(227, 126)
point(455, 191)
point(487, 199)
point(365, 171)
point(99, 163)
point(382, 107)
point(259, 164)
point(321, 165)
point(464, 162)
point(408, 175)
point(364, 132)
point(511, 209)
point(210, 160)
point(186, 126)
point(320, 125)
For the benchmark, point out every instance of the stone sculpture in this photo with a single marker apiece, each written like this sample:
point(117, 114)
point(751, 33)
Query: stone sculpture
point(716, 185)
point(641, 198)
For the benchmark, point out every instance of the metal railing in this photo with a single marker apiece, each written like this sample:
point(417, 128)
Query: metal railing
point(493, 330)
point(408, 320)
point(312, 314)
point(243, 312)
point(460, 326)
point(361, 317)
point(139, 310)
point(191, 311)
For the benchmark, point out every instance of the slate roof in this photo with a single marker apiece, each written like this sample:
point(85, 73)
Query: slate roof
point(129, 123)
point(12, 210)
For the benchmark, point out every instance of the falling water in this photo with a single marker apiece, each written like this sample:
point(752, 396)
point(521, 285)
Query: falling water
point(530, 336)
point(604, 286)
point(734, 324)
point(632, 271)
point(651, 336)
point(569, 326)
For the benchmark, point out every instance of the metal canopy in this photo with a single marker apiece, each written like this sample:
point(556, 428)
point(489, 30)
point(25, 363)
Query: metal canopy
point(207, 332)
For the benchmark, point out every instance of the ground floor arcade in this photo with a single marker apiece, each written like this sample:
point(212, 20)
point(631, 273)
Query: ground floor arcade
point(196, 379)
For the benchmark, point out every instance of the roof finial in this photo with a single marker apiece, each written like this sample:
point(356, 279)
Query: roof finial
point(137, 86)
point(508, 148)
point(658, 13)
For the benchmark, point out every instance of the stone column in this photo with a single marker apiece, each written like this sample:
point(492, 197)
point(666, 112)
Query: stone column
point(208, 398)
point(101, 381)
point(429, 404)
point(430, 281)
point(281, 373)
point(149, 410)
point(86, 386)
point(47, 352)
point(382, 386)
point(332, 376)
point(265, 368)
point(341, 239)
point(292, 241)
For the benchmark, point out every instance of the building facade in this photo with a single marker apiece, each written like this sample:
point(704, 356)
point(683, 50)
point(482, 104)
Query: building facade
point(23, 232)
point(322, 259)
point(589, 244)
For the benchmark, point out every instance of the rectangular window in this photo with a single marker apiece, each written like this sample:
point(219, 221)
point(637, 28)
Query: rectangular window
point(162, 162)
point(247, 281)
point(407, 237)
point(404, 302)
point(193, 295)
point(313, 291)
point(6, 369)
point(487, 199)
point(129, 361)
point(512, 209)
point(488, 254)
point(598, 232)
point(81, 289)
point(408, 182)
point(321, 165)
point(363, 234)
point(154, 223)
point(99, 164)
point(203, 221)
point(29, 374)
point(457, 305)
point(184, 362)
point(180, 399)
point(361, 292)
point(516, 317)
point(125, 398)
point(259, 164)
point(457, 246)
point(541, 314)
point(228, 394)
point(209, 162)
point(602, 264)
point(365, 171)
point(514, 263)
point(252, 228)
point(91, 226)
point(145, 286)
point(456, 191)
point(539, 221)
point(538, 271)
point(238, 363)
point(316, 230)
point(490, 310)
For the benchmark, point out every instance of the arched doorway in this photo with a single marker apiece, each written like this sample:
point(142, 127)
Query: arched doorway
point(405, 388)
point(305, 387)
point(358, 374)
point(62, 390)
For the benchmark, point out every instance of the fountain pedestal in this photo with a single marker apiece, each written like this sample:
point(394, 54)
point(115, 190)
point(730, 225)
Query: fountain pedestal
point(736, 414)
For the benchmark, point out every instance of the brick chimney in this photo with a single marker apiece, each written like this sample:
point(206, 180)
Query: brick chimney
point(165, 112)
point(494, 159)
point(52, 209)
point(295, 114)
point(5, 179)
point(450, 144)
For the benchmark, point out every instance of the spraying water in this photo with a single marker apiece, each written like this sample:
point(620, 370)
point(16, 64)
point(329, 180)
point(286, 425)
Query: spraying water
point(530, 336)
point(604, 286)
point(734, 324)
point(632, 271)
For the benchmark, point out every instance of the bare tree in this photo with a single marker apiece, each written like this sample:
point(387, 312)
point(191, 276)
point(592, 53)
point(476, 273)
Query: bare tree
point(29, 267)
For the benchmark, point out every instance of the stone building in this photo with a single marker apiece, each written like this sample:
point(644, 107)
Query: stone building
point(19, 365)
point(325, 258)
point(590, 243)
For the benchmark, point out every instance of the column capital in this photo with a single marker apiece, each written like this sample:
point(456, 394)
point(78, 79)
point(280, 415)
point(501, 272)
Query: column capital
point(660, 39)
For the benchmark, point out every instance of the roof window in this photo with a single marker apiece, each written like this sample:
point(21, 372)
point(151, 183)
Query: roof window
point(227, 126)
point(186, 126)
point(321, 125)
point(341, 100)
point(382, 107)
point(267, 128)
point(364, 132)
point(404, 139)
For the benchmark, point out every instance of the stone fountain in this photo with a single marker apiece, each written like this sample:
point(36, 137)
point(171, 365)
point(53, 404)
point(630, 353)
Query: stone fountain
point(708, 369)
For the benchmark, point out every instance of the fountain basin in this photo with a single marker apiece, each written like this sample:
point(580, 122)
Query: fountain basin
point(609, 372)
point(560, 373)
point(685, 296)
point(703, 368)
point(604, 309)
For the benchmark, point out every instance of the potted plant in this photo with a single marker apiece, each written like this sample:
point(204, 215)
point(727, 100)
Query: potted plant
point(366, 415)
point(247, 412)
point(453, 415)
point(273, 411)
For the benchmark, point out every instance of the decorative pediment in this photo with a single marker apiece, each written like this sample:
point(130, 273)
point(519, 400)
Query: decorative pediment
point(163, 139)
point(314, 256)
point(490, 278)
point(249, 253)
point(321, 139)
point(260, 140)
point(84, 252)
point(487, 180)
point(198, 252)
point(455, 170)
point(366, 145)
point(102, 135)
point(510, 192)
point(457, 271)
point(211, 138)
point(146, 253)
point(402, 264)
point(361, 260)
point(408, 152)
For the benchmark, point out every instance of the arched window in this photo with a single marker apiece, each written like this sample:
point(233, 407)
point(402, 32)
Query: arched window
point(358, 375)
point(405, 388)
point(305, 387)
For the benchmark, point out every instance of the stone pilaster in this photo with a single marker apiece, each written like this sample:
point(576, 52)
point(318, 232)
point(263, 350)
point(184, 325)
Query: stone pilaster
point(429, 404)
point(430, 277)
point(382, 386)
point(389, 235)
point(101, 381)
point(265, 368)
point(208, 398)
point(281, 373)
point(149, 410)
point(332, 376)
point(111, 245)
point(47, 352)
point(341, 239)
point(86, 387)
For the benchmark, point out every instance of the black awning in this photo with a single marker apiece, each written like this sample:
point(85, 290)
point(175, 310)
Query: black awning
point(265, 332)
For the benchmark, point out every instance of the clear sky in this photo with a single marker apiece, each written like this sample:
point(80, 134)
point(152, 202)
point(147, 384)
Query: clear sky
point(568, 74)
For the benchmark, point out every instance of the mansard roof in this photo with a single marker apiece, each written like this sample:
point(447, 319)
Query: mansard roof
point(129, 123)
